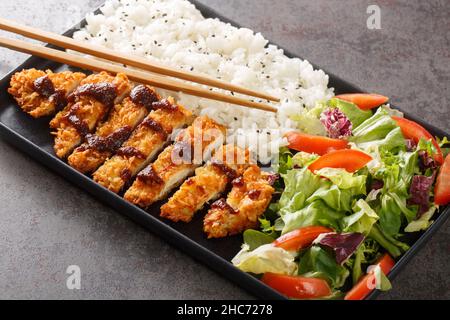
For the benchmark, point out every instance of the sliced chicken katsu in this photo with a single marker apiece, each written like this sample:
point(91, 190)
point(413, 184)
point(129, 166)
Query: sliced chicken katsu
point(176, 162)
point(247, 200)
point(42, 93)
point(88, 104)
point(143, 145)
point(112, 133)
point(228, 163)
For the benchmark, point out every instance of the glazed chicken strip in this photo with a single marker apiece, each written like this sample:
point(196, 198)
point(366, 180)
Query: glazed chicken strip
point(143, 145)
point(176, 162)
point(246, 202)
point(42, 93)
point(209, 182)
point(88, 104)
point(111, 134)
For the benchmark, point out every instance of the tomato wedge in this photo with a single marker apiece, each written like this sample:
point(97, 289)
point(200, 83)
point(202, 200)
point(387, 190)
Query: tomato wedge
point(413, 130)
point(348, 159)
point(314, 144)
point(300, 238)
point(364, 101)
point(366, 284)
point(297, 287)
point(442, 188)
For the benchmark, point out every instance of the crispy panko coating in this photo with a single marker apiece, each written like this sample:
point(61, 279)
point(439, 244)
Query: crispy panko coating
point(112, 133)
point(86, 108)
point(209, 182)
point(247, 200)
point(176, 162)
point(54, 88)
point(143, 145)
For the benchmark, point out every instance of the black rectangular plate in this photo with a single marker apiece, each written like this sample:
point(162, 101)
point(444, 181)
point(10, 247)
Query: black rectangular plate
point(33, 137)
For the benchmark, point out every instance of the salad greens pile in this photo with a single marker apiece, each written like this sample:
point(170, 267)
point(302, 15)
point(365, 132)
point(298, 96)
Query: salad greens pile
point(369, 211)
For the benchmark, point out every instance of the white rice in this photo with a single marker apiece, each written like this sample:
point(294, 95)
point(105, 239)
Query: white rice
point(174, 33)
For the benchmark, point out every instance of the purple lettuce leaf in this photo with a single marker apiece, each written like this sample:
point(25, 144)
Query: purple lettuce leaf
point(410, 145)
point(336, 123)
point(420, 192)
point(426, 161)
point(343, 244)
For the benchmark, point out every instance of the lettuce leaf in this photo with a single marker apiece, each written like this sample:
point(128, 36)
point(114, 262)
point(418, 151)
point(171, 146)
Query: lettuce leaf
point(265, 258)
point(299, 185)
point(362, 220)
point(423, 222)
point(316, 213)
point(375, 128)
point(343, 244)
point(344, 179)
point(308, 120)
point(337, 199)
point(317, 262)
point(351, 110)
point(255, 238)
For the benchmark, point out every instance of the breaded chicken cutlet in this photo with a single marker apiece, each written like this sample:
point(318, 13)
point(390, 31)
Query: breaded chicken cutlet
point(41, 93)
point(176, 162)
point(210, 180)
point(112, 133)
point(246, 202)
point(143, 145)
point(88, 104)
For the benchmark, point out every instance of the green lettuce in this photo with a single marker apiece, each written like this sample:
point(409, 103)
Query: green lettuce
point(309, 120)
point(344, 179)
point(318, 263)
point(362, 220)
point(375, 128)
point(351, 110)
point(255, 238)
point(423, 222)
point(265, 258)
point(316, 213)
point(299, 185)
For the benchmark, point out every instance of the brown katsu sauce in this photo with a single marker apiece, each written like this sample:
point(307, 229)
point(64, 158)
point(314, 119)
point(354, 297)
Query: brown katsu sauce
point(226, 170)
point(143, 96)
point(59, 99)
point(130, 152)
point(238, 182)
point(125, 175)
point(149, 176)
point(45, 87)
point(164, 104)
point(103, 92)
point(222, 204)
point(110, 143)
point(155, 126)
point(79, 124)
point(254, 194)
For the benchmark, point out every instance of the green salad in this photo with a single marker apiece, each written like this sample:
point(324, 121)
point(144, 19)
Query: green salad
point(347, 200)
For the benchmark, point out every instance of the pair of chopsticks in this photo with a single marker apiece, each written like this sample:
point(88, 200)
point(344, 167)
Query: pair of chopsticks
point(154, 79)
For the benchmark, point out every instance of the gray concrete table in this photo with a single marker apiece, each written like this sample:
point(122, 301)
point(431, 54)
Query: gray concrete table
point(48, 224)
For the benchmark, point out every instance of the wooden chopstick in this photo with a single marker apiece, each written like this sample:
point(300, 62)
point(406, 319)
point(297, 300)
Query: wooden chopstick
point(131, 60)
point(138, 76)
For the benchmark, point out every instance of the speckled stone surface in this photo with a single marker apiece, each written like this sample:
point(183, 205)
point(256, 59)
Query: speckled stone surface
point(47, 224)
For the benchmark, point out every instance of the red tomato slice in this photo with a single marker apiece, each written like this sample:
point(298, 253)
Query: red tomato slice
point(364, 101)
point(366, 284)
point(413, 130)
point(442, 188)
point(297, 287)
point(300, 238)
point(314, 144)
point(348, 159)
